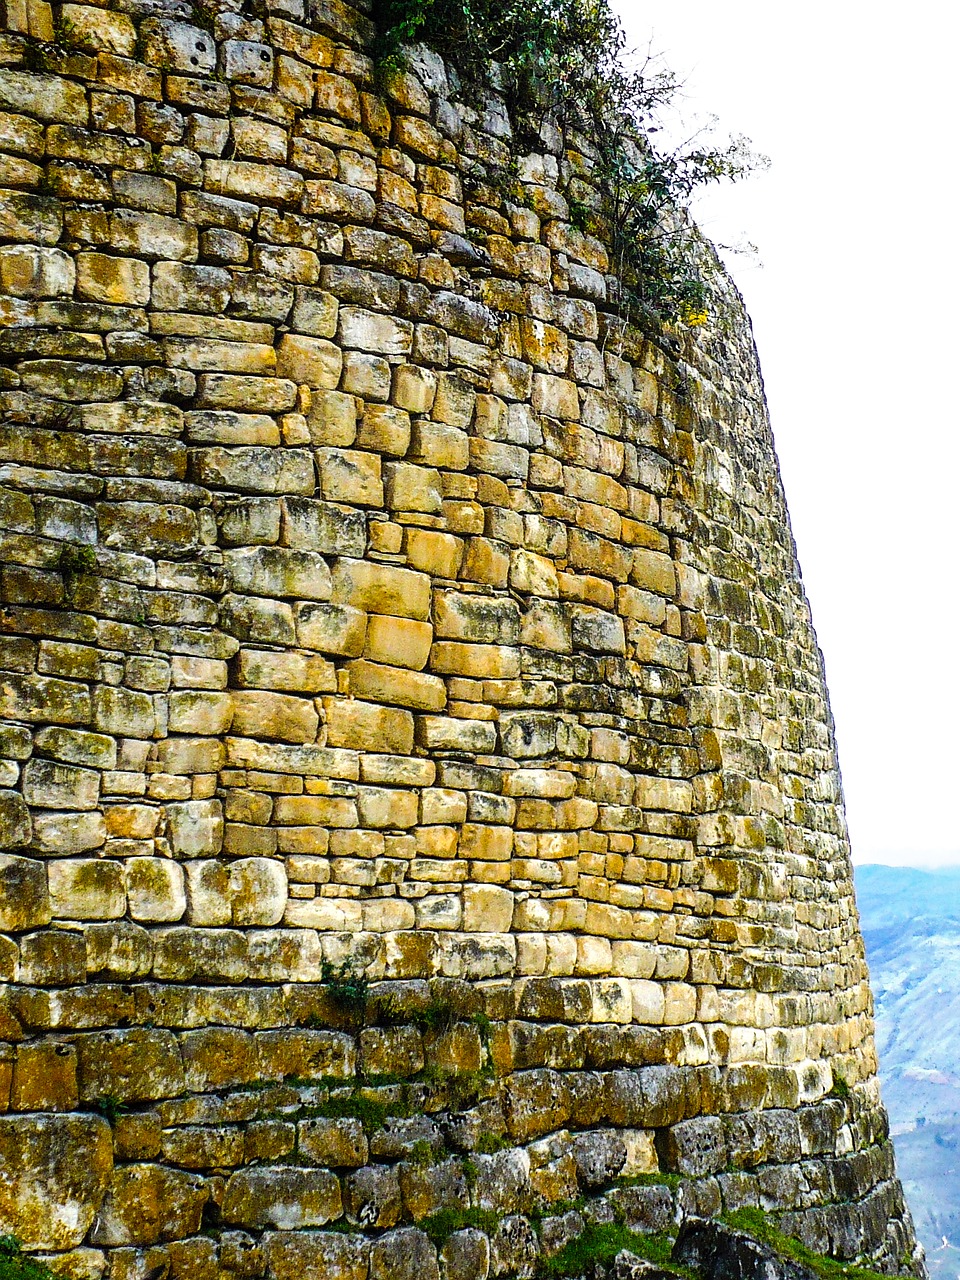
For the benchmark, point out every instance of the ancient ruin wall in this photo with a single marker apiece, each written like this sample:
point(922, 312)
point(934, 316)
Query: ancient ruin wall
point(374, 596)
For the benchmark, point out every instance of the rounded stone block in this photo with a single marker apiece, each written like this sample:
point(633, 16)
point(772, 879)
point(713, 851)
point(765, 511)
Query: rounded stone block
point(54, 1171)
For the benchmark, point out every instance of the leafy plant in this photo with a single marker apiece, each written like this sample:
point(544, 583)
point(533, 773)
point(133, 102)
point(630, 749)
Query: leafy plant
point(16, 1265)
point(111, 1107)
point(839, 1088)
point(76, 559)
point(346, 987)
point(566, 58)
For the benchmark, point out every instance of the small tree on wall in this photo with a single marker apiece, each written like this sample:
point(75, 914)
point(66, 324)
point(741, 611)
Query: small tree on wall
point(567, 59)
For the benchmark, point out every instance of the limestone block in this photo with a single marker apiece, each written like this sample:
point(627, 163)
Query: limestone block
point(400, 642)
point(123, 712)
point(485, 843)
point(86, 889)
point(314, 312)
point(287, 1198)
point(134, 1065)
point(333, 1255)
point(314, 362)
point(97, 30)
point(56, 1169)
point(208, 901)
point(327, 811)
point(533, 574)
point(555, 397)
point(413, 488)
point(118, 950)
point(155, 889)
point(440, 445)
point(248, 62)
point(404, 1254)
point(447, 733)
point(336, 1144)
point(332, 418)
point(257, 890)
point(374, 332)
point(292, 671)
point(147, 1204)
point(179, 756)
point(352, 476)
point(152, 235)
point(597, 630)
point(367, 376)
point(653, 571)
point(381, 588)
point(325, 914)
point(385, 429)
point(386, 807)
point(331, 628)
point(195, 828)
point(48, 97)
point(672, 794)
point(475, 617)
point(439, 554)
point(475, 661)
point(442, 804)
point(177, 46)
point(15, 828)
point(323, 527)
point(32, 271)
point(45, 1073)
point(43, 698)
point(24, 900)
point(414, 389)
point(178, 286)
point(397, 686)
point(51, 785)
point(261, 714)
point(487, 909)
point(200, 712)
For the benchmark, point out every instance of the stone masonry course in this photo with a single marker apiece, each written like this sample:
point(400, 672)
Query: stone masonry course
point(421, 834)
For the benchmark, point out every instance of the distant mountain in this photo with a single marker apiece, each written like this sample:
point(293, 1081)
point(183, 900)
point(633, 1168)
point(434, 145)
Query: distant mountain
point(911, 927)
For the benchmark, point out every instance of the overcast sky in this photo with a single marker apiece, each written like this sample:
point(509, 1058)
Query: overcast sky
point(855, 311)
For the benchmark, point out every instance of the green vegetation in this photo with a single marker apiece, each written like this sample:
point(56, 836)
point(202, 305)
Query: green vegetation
point(443, 1224)
point(839, 1088)
point(111, 1107)
point(488, 1144)
point(15, 1265)
point(757, 1224)
point(347, 988)
point(566, 58)
point(371, 1113)
point(601, 1242)
point(76, 559)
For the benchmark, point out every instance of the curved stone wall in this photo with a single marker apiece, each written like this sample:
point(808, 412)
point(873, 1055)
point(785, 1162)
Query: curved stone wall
point(419, 786)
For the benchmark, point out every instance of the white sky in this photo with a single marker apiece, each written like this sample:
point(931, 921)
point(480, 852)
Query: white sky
point(855, 311)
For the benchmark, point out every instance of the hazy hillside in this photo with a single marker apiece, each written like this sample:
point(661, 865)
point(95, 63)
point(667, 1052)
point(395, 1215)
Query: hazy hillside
point(911, 926)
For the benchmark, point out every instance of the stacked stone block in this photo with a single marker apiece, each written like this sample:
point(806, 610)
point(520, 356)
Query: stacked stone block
point(379, 607)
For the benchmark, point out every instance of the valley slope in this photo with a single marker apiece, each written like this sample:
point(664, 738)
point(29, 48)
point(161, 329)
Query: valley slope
point(911, 927)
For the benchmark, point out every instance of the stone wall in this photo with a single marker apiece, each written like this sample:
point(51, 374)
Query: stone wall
point(419, 789)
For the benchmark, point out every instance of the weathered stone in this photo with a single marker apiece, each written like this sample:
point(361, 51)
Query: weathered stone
point(332, 1255)
point(24, 901)
point(404, 1254)
point(146, 1204)
point(155, 889)
point(284, 1198)
point(55, 1172)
